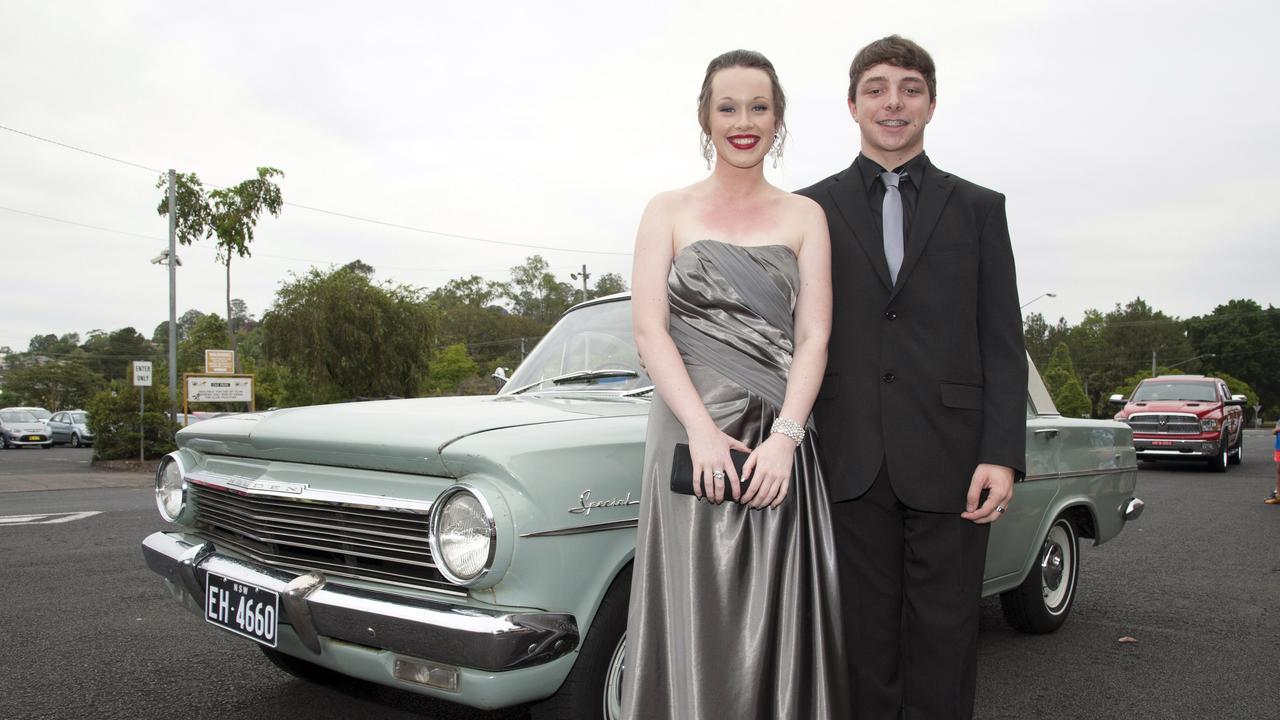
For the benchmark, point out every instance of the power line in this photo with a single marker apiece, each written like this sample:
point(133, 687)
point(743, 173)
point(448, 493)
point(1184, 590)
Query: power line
point(335, 213)
point(266, 255)
point(79, 149)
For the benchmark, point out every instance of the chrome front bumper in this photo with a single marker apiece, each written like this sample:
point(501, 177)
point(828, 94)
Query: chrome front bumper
point(1166, 448)
point(316, 608)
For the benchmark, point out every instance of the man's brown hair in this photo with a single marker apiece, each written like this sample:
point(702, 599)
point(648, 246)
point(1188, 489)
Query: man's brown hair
point(897, 51)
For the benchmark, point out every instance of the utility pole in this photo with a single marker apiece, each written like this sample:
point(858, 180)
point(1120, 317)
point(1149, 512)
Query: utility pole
point(583, 275)
point(173, 301)
point(1153, 363)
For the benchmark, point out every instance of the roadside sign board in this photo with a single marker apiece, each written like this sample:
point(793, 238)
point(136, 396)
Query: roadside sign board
point(219, 362)
point(212, 388)
point(141, 373)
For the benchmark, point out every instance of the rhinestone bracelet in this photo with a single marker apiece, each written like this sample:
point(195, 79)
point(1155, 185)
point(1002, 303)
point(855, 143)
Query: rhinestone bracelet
point(790, 428)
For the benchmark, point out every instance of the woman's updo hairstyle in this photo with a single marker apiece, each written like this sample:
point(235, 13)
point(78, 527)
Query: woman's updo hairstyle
point(746, 59)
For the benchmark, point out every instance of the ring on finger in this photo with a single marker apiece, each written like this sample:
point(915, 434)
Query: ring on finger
point(718, 476)
point(1001, 508)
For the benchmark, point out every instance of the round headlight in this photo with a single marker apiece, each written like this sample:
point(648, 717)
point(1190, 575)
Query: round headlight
point(171, 489)
point(462, 534)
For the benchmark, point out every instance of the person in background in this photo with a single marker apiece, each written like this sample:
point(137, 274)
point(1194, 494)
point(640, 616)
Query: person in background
point(1274, 497)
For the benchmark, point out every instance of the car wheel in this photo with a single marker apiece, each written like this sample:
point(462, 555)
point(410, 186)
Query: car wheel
point(48, 445)
point(1219, 461)
point(304, 670)
point(75, 440)
point(1043, 600)
point(593, 690)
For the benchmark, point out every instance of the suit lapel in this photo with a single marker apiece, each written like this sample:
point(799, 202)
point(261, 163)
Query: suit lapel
point(850, 197)
point(935, 188)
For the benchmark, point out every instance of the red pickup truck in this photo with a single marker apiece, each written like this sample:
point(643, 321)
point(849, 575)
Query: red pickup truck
point(1185, 417)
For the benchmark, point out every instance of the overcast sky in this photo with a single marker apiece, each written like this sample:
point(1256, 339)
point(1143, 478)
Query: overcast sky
point(1135, 140)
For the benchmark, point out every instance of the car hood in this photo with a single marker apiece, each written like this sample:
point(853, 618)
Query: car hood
point(395, 435)
point(1170, 406)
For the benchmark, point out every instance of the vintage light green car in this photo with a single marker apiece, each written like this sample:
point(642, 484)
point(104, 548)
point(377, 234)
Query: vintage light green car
point(479, 549)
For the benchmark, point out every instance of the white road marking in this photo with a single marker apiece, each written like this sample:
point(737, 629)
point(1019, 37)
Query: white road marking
point(47, 518)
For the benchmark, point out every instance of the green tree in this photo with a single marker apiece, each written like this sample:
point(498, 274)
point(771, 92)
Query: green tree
point(608, 284)
point(58, 385)
point(1108, 348)
point(209, 333)
point(449, 369)
point(114, 420)
point(1064, 384)
point(534, 292)
point(112, 354)
point(1041, 338)
point(228, 215)
point(467, 313)
point(241, 318)
point(54, 346)
point(340, 336)
point(1244, 341)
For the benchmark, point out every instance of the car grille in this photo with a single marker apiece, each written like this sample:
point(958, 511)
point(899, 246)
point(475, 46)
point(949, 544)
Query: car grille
point(369, 544)
point(1156, 424)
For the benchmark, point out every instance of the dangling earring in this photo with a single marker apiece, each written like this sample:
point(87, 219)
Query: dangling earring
point(708, 150)
point(775, 151)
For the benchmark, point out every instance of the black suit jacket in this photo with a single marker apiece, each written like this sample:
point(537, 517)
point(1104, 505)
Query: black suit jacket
point(930, 374)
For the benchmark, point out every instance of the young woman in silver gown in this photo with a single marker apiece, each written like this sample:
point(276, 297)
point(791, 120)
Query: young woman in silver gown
point(734, 603)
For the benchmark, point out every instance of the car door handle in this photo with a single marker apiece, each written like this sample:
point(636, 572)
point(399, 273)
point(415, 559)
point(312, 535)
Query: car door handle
point(1047, 433)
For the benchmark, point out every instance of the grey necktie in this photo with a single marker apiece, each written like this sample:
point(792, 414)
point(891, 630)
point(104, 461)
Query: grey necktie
point(891, 221)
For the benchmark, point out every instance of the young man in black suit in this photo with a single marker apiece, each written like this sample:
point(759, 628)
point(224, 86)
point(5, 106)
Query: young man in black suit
point(922, 410)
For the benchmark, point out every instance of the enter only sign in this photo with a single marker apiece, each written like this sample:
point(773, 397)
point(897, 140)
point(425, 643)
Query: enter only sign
point(46, 518)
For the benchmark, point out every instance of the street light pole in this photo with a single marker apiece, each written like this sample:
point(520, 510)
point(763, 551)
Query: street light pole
point(173, 300)
point(1041, 295)
point(1180, 362)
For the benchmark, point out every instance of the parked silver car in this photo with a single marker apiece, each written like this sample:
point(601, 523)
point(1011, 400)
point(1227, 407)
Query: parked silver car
point(70, 427)
point(19, 428)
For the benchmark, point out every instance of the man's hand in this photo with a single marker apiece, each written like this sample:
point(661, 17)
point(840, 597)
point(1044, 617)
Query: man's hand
point(997, 480)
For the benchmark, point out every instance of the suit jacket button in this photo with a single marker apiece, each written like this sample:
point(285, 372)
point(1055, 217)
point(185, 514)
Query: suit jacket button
point(891, 315)
point(888, 377)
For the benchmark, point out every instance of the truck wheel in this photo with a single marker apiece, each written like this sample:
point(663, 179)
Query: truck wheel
point(1219, 462)
point(1043, 600)
point(302, 669)
point(1237, 454)
point(593, 690)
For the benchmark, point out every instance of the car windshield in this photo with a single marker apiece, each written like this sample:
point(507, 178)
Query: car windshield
point(78, 418)
point(17, 416)
point(591, 348)
point(39, 413)
point(1193, 391)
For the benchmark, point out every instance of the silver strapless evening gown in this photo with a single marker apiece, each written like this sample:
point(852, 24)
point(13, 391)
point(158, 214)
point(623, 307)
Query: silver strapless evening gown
point(734, 612)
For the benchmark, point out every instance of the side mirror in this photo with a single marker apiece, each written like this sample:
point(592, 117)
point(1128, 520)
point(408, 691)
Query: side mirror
point(1117, 400)
point(499, 378)
point(1239, 400)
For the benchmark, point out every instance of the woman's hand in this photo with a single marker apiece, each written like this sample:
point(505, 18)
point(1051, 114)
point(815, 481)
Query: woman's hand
point(770, 467)
point(709, 450)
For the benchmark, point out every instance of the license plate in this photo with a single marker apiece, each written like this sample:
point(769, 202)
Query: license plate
point(34, 438)
point(1164, 443)
point(242, 608)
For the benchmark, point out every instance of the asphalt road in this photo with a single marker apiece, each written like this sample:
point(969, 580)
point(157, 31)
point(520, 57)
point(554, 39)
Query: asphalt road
point(86, 631)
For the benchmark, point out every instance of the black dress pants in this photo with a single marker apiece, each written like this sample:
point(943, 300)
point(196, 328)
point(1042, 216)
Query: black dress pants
point(911, 582)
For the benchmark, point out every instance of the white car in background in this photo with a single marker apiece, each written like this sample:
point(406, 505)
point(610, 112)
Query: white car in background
point(19, 428)
point(39, 413)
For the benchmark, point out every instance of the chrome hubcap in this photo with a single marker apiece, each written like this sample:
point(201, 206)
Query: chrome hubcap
point(612, 704)
point(1051, 568)
point(1055, 568)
